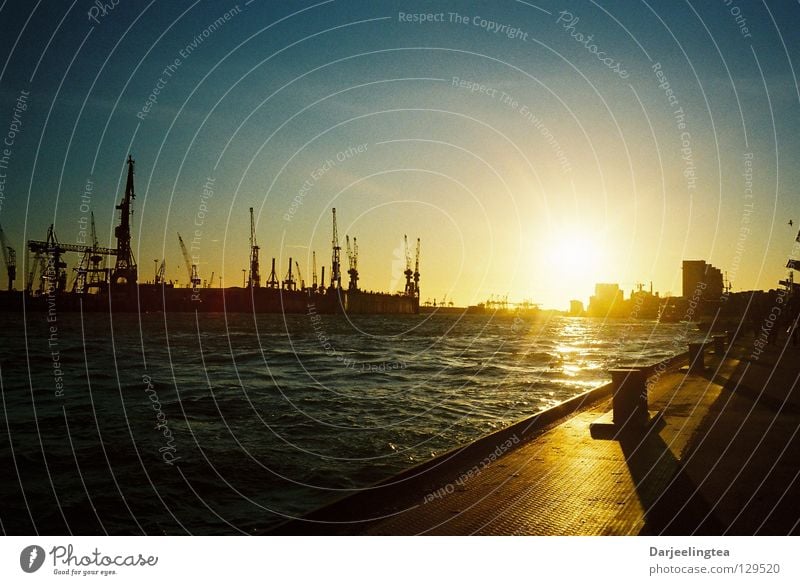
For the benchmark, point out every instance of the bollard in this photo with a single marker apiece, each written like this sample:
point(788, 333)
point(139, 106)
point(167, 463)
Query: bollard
point(730, 337)
point(630, 397)
point(696, 363)
point(719, 344)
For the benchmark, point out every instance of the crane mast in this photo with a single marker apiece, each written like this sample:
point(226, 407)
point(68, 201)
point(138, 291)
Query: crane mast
point(352, 258)
point(125, 271)
point(255, 276)
point(336, 277)
point(272, 282)
point(289, 282)
point(314, 271)
point(416, 272)
point(409, 290)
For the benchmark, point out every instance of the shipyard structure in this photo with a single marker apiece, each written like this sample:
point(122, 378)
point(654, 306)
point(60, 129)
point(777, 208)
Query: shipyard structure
point(107, 279)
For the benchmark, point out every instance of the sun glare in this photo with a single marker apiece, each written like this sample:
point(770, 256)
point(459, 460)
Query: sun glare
point(573, 250)
point(573, 258)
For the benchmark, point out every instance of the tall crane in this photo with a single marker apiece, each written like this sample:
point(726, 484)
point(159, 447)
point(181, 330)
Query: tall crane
point(255, 275)
point(416, 272)
point(125, 271)
point(314, 271)
point(91, 273)
point(9, 259)
point(300, 276)
point(160, 273)
point(47, 259)
point(289, 282)
point(336, 276)
point(409, 290)
point(191, 269)
point(352, 258)
point(272, 282)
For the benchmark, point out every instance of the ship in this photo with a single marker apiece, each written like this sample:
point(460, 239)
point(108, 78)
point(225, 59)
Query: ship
point(97, 288)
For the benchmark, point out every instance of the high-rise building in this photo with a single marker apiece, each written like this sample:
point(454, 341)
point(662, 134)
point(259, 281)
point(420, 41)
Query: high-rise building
point(575, 308)
point(608, 300)
point(701, 280)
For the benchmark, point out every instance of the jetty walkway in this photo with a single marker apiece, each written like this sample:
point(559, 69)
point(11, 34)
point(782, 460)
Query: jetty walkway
point(723, 458)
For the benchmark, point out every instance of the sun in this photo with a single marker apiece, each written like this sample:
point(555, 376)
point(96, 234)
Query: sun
point(570, 252)
point(573, 248)
point(573, 258)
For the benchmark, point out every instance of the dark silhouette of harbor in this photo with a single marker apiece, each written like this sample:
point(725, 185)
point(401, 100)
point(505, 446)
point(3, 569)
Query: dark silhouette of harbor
point(96, 287)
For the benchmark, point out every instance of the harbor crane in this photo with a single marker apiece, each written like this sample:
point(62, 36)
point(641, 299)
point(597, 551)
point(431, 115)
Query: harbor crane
point(125, 270)
point(49, 263)
point(160, 273)
point(272, 282)
point(90, 273)
point(352, 258)
point(191, 268)
point(9, 259)
point(289, 282)
point(255, 274)
point(300, 276)
point(314, 271)
point(409, 290)
point(336, 276)
point(416, 272)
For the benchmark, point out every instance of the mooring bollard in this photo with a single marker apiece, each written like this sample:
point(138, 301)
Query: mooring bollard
point(630, 397)
point(719, 344)
point(696, 357)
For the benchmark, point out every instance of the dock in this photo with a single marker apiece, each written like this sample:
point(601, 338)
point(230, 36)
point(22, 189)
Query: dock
point(723, 458)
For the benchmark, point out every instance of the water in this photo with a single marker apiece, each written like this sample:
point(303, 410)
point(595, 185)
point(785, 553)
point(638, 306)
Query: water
point(215, 423)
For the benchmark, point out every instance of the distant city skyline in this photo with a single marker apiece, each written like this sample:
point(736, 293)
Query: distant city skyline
point(535, 148)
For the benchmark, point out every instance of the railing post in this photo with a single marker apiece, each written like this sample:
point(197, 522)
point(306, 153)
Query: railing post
point(696, 357)
point(630, 397)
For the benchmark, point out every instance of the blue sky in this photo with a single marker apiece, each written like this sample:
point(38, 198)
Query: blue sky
point(267, 97)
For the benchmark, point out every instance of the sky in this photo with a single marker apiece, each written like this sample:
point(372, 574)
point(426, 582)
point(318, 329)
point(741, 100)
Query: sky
point(535, 148)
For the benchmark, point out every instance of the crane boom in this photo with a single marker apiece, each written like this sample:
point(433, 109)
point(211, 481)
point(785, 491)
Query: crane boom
point(161, 272)
point(191, 268)
point(44, 247)
point(299, 275)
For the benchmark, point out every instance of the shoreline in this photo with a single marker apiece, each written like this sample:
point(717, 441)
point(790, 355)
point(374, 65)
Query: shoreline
point(424, 479)
point(721, 458)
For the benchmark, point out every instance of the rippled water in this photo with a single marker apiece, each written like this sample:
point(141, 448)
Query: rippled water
point(268, 416)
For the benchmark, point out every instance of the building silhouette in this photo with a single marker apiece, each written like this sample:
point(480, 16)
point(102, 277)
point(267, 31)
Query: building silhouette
point(701, 280)
point(607, 301)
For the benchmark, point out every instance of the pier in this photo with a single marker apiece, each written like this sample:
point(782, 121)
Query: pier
point(723, 458)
